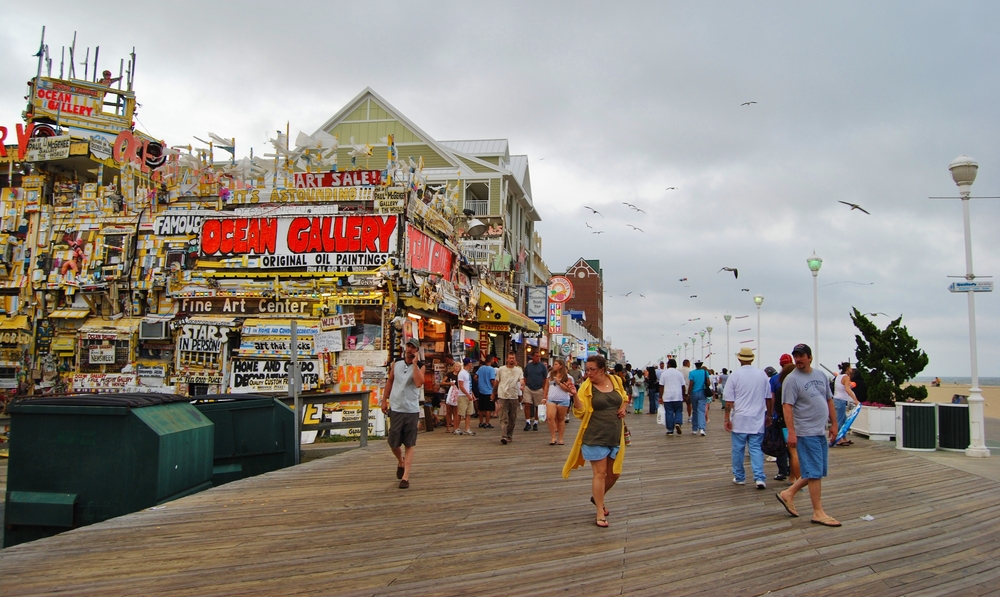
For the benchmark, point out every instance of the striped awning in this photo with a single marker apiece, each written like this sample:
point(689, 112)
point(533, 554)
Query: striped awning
point(495, 308)
point(69, 313)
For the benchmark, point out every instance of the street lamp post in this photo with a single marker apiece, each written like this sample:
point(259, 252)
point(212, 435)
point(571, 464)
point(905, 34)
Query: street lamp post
point(694, 346)
point(728, 318)
point(685, 350)
point(815, 262)
point(963, 172)
point(758, 300)
point(701, 355)
point(710, 349)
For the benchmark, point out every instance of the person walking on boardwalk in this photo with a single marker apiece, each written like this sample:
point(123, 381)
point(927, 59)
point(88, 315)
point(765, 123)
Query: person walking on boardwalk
point(808, 406)
point(788, 462)
point(465, 398)
point(653, 383)
point(557, 400)
point(401, 401)
point(601, 405)
point(748, 409)
point(483, 382)
point(672, 394)
point(697, 382)
point(842, 394)
point(685, 370)
point(510, 380)
point(575, 372)
point(535, 374)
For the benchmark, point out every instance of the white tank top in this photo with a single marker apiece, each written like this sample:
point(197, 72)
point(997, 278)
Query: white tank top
point(839, 391)
point(556, 393)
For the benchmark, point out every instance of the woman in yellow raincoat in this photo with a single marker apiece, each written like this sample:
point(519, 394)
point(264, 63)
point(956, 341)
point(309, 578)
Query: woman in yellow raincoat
point(600, 403)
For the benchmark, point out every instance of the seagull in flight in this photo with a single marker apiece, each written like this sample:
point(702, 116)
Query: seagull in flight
point(671, 188)
point(877, 314)
point(588, 225)
point(747, 103)
point(642, 295)
point(598, 232)
point(639, 210)
point(731, 269)
point(694, 296)
point(594, 210)
point(628, 293)
point(683, 279)
point(636, 228)
point(854, 206)
point(628, 204)
point(745, 289)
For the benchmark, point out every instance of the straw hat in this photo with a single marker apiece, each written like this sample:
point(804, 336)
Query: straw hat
point(745, 354)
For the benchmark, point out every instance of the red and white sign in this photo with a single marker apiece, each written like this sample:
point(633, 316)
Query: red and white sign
point(103, 381)
point(353, 178)
point(560, 289)
point(363, 241)
point(427, 255)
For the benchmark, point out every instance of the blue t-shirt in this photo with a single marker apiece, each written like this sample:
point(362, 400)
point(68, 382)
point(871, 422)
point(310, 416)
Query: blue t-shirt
point(775, 383)
point(699, 377)
point(486, 376)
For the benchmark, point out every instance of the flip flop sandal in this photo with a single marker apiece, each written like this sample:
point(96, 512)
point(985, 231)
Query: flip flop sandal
point(602, 522)
point(827, 522)
point(788, 507)
point(606, 511)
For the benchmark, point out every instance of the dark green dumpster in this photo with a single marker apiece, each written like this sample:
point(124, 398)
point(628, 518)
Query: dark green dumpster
point(253, 435)
point(77, 460)
point(916, 426)
point(953, 426)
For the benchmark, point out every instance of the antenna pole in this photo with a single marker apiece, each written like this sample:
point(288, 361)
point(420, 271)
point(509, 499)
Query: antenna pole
point(86, 63)
point(72, 58)
point(62, 61)
point(97, 51)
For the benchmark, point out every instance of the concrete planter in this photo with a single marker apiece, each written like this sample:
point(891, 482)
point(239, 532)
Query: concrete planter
point(877, 424)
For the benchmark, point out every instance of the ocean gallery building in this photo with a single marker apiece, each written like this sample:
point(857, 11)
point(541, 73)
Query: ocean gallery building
point(130, 265)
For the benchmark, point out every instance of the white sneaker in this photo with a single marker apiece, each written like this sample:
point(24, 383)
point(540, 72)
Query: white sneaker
point(770, 459)
point(456, 432)
point(761, 485)
point(702, 433)
point(470, 433)
point(735, 482)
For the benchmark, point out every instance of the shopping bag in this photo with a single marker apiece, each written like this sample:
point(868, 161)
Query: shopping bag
point(661, 415)
point(543, 412)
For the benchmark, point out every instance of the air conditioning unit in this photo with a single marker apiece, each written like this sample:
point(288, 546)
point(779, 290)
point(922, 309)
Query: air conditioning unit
point(159, 330)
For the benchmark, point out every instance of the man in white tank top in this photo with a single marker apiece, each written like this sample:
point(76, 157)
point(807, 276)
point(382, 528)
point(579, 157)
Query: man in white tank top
point(401, 401)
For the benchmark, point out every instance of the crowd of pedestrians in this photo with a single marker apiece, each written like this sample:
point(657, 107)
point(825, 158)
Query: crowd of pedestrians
point(797, 403)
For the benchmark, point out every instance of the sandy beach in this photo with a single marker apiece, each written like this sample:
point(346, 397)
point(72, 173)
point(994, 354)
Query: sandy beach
point(991, 396)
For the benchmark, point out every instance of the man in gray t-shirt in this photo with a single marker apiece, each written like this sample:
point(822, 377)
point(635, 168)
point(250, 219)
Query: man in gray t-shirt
point(807, 404)
point(401, 401)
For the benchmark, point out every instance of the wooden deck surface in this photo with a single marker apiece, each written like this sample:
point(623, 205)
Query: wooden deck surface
point(481, 518)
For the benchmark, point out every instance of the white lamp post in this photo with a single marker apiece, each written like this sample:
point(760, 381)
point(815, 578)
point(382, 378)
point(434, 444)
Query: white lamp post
point(815, 262)
point(701, 355)
point(694, 346)
point(963, 172)
point(728, 318)
point(758, 300)
point(685, 352)
point(710, 349)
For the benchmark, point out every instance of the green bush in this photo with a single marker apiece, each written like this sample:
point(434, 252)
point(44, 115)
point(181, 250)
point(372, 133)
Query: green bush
point(887, 359)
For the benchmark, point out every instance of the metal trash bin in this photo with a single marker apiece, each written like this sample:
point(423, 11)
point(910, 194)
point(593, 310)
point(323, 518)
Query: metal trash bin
point(953, 427)
point(77, 460)
point(253, 435)
point(916, 426)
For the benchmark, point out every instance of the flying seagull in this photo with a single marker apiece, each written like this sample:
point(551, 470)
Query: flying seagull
point(877, 314)
point(588, 225)
point(694, 296)
point(671, 188)
point(598, 232)
point(636, 228)
point(642, 295)
point(683, 279)
point(637, 209)
point(747, 103)
point(594, 210)
point(731, 269)
point(854, 206)
point(745, 289)
point(628, 204)
point(628, 293)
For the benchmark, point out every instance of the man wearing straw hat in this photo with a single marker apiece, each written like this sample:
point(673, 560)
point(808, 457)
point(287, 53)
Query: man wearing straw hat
point(748, 400)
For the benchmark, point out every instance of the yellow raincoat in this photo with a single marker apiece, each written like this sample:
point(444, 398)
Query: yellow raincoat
point(585, 393)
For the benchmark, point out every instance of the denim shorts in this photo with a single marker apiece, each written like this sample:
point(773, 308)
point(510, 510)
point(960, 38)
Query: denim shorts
point(560, 402)
point(598, 452)
point(812, 450)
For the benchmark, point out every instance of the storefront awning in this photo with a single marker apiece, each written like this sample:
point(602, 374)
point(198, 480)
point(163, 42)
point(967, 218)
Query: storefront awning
point(124, 325)
point(492, 304)
point(69, 313)
point(63, 344)
point(15, 323)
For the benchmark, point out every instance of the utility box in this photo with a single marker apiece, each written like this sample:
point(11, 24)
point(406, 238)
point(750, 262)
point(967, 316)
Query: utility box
point(916, 426)
point(953, 426)
point(77, 460)
point(252, 436)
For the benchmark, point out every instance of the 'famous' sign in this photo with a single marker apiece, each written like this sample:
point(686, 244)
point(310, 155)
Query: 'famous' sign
point(340, 243)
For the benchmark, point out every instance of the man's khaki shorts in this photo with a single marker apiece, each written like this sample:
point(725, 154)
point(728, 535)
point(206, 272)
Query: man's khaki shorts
point(533, 396)
point(465, 406)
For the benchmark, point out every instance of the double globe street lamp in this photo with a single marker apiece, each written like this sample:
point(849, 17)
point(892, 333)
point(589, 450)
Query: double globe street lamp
point(758, 300)
point(728, 318)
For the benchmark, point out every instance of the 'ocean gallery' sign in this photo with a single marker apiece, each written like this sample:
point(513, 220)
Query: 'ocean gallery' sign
point(336, 243)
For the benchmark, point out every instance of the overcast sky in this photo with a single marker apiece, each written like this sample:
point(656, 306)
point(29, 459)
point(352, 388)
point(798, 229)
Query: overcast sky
point(614, 102)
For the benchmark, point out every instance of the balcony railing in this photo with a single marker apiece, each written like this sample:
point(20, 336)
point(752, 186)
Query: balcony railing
point(479, 207)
